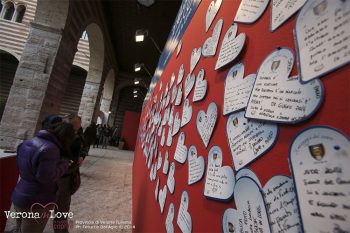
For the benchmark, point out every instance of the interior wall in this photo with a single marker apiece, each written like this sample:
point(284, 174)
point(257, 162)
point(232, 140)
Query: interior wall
point(207, 214)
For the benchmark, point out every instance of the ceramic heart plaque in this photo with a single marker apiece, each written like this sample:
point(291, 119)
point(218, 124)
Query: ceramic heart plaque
point(171, 179)
point(212, 10)
point(281, 205)
point(237, 89)
point(169, 139)
point(186, 113)
point(177, 124)
point(248, 139)
point(250, 11)
point(200, 88)
point(279, 98)
point(220, 180)
point(169, 219)
point(319, 157)
point(322, 32)
point(206, 121)
point(282, 10)
point(184, 220)
point(195, 56)
point(231, 47)
point(210, 45)
point(195, 165)
point(189, 83)
point(162, 197)
point(178, 96)
point(181, 74)
point(166, 163)
point(181, 149)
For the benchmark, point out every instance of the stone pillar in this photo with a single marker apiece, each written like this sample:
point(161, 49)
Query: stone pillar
point(27, 95)
point(89, 99)
point(105, 107)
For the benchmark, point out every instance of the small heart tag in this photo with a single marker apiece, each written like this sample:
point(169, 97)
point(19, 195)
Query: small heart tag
point(211, 13)
point(181, 149)
point(200, 88)
point(166, 164)
point(181, 74)
point(205, 122)
point(159, 161)
point(177, 124)
point(172, 79)
point(169, 219)
point(169, 139)
point(210, 45)
point(178, 96)
point(189, 83)
point(179, 47)
point(162, 140)
point(156, 190)
point(220, 180)
point(184, 220)
point(162, 197)
point(195, 166)
point(173, 94)
point(171, 179)
point(186, 113)
point(195, 56)
point(171, 116)
point(250, 11)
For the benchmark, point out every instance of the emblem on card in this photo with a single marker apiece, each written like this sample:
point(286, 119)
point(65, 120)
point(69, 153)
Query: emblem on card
point(317, 151)
point(320, 8)
point(275, 65)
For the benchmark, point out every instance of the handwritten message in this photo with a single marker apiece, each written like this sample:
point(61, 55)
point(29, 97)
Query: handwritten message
point(184, 220)
point(206, 122)
point(282, 10)
point(181, 149)
point(195, 165)
point(250, 11)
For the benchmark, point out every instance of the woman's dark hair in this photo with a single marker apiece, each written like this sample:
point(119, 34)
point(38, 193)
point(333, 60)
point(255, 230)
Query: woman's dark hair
point(65, 134)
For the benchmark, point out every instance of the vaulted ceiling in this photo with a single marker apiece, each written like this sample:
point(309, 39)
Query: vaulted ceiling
point(124, 17)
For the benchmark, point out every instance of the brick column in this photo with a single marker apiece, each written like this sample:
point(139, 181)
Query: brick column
point(27, 95)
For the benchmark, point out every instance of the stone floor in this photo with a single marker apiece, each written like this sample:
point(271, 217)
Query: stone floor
point(103, 201)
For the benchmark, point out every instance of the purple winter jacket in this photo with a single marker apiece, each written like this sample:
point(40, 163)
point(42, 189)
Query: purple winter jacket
point(40, 166)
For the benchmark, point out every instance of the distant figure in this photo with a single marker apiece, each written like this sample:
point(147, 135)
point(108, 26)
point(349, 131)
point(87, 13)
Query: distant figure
point(98, 135)
point(40, 166)
point(90, 134)
point(106, 136)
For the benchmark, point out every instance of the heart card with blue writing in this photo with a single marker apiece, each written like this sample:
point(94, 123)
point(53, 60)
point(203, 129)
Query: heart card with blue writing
point(277, 97)
point(322, 37)
point(248, 139)
point(250, 214)
point(320, 161)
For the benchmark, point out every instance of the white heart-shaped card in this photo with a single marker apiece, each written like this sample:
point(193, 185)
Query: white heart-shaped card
point(237, 89)
point(169, 139)
point(184, 220)
point(322, 32)
point(162, 140)
point(248, 139)
point(156, 190)
point(249, 173)
point(166, 163)
point(171, 116)
point(186, 113)
point(179, 47)
point(250, 209)
point(200, 88)
point(195, 165)
point(319, 158)
point(162, 198)
point(181, 149)
point(178, 96)
point(169, 219)
point(181, 74)
point(173, 94)
point(177, 124)
point(220, 180)
point(189, 83)
point(231, 47)
point(171, 179)
point(282, 10)
point(210, 44)
point(281, 201)
point(172, 80)
point(206, 121)
point(159, 161)
point(277, 97)
point(212, 10)
point(195, 56)
point(250, 11)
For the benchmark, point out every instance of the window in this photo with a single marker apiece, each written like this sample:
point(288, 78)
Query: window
point(84, 36)
point(20, 10)
point(9, 10)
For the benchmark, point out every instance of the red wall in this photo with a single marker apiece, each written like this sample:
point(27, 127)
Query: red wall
point(8, 176)
point(207, 214)
point(130, 128)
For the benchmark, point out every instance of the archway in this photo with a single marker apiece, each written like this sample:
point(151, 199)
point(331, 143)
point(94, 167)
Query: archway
point(107, 96)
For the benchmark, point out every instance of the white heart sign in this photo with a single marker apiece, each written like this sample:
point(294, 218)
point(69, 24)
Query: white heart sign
point(186, 113)
point(162, 140)
point(178, 96)
point(159, 161)
point(169, 139)
point(173, 94)
point(231, 47)
point(322, 32)
point(200, 88)
point(206, 121)
point(250, 11)
point(172, 79)
point(181, 149)
point(282, 10)
point(181, 74)
point(279, 98)
point(171, 179)
point(248, 139)
point(195, 165)
point(213, 9)
point(169, 219)
point(210, 45)
point(166, 163)
point(184, 220)
point(179, 47)
point(162, 198)
point(171, 116)
point(177, 124)
point(249, 173)
point(237, 89)
point(195, 56)
point(220, 180)
point(156, 190)
point(320, 157)
point(189, 83)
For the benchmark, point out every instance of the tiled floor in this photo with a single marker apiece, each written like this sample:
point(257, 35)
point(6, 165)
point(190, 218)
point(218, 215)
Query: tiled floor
point(103, 201)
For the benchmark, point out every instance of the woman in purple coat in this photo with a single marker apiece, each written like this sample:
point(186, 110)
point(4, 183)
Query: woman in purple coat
point(40, 166)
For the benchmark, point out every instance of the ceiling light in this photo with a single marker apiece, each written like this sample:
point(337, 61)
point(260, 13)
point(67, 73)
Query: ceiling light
point(136, 82)
point(140, 35)
point(135, 96)
point(137, 67)
point(135, 91)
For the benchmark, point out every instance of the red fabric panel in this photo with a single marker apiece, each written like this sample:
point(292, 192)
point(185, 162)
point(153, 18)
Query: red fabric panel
point(207, 214)
point(8, 176)
point(130, 128)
